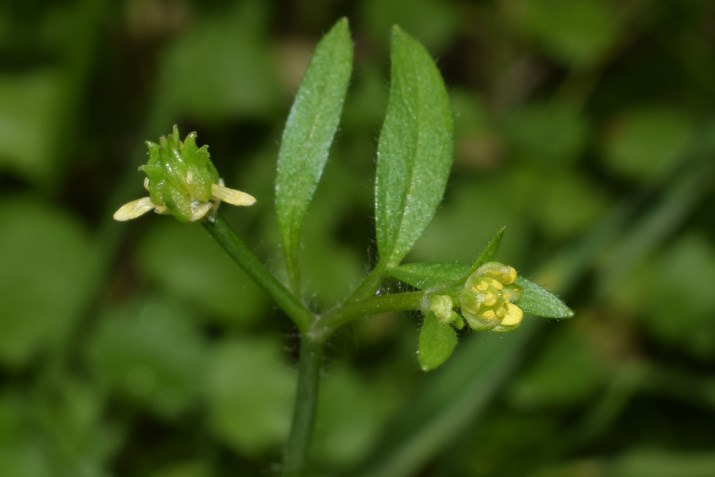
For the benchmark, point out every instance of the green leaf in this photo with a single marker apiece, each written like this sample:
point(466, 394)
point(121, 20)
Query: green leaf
point(436, 343)
point(429, 275)
point(487, 254)
point(414, 152)
point(308, 135)
point(537, 301)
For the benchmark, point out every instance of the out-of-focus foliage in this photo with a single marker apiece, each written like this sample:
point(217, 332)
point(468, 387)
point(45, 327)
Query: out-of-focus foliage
point(585, 127)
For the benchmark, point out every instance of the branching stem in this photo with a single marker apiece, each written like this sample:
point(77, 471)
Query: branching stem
point(243, 256)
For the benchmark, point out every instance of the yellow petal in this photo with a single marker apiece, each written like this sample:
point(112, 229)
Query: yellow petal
point(231, 196)
point(134, 209)
point(512, 319)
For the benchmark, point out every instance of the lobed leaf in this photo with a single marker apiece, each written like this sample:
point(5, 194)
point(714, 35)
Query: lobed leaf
point(414, 152)
point(308, 134)
point(537, 301)
point(436, 343)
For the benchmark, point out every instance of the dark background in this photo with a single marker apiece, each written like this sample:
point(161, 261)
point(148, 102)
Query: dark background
point(586, 127)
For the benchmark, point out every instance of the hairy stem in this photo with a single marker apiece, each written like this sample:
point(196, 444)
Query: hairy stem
point(306, 403)
point(243, 256)
point(370, 284)
point(344, 314)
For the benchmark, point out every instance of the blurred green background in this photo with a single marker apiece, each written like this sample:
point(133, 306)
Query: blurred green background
point(586, 127)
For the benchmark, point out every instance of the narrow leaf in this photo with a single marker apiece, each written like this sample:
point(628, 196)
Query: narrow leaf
point(414, 152)
point(487, 254)
point(537, 301)
point(436, 343)
point(308, 134)
point(429, 275)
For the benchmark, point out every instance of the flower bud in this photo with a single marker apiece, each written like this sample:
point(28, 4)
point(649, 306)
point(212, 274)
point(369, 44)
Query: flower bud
point(487, 298)
point(181, 181)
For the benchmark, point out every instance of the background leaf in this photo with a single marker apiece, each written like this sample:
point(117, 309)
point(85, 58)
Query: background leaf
point(249, 391)
point(150, 351)
point(185, 261)
point(308, 135)
point(415, 150)
point(46, 261)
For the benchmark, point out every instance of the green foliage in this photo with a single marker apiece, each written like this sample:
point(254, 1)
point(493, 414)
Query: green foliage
point(308, 135)
point(567, 373)
point(574, 32)
point(487, 254)
point(537, 301)
point(44, 253)
point(585, 127)
point(429, 275)
point(28, 123)
point(414, 155)
point(436, 342)
point(149, 351)
point(249, 391)
point(643, 143)
point(223, 56)
point(187, 263)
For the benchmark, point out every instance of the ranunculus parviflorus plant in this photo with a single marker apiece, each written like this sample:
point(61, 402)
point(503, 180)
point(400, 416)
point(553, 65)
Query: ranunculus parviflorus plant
point(414, 157)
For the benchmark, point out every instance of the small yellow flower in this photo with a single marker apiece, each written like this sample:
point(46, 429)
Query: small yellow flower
point(487, 298)
point(181, 181)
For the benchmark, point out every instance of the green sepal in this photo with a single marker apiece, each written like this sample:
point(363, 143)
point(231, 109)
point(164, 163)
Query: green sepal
point(534, 300)
point(436, 343)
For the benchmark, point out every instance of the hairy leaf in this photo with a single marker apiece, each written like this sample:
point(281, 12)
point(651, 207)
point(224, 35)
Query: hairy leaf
point(429, 275)
point(414, 152)
point(488, 253)
point(537, 301)
point(308, 134)
point(436, 343)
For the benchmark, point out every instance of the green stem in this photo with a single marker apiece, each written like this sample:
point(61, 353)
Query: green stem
point(241, 254)
point(342, 315)
point(306, 403)
point(370, 284)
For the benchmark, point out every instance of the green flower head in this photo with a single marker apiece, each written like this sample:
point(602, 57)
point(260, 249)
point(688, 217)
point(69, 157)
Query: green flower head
point(487, 298)
point(181, 181)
